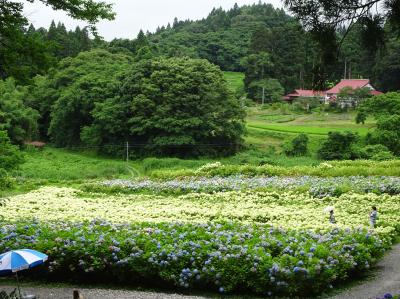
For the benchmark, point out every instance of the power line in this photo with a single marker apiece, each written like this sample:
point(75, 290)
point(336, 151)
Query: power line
point(138, 145)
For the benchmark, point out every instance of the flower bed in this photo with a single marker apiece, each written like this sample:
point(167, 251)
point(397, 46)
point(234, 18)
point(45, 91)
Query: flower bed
point(223, 257)
point(266, 242)
point(289, 210)
point(316, 186)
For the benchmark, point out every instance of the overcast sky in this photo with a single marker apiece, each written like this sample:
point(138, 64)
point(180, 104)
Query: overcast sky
point(133, 15)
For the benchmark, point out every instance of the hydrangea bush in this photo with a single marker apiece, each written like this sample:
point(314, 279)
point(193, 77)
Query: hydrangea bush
point(221, 256)
point(316, 186)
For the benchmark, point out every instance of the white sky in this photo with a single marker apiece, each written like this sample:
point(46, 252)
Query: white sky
point(133, 15)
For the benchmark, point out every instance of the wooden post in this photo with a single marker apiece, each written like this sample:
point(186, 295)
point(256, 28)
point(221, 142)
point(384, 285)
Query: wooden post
point(127, 151)
point(263, 96)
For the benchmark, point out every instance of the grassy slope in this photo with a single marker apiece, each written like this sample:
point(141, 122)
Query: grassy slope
point(275, 127)
point(58, 164)
point(314, 124)
point(235, 80)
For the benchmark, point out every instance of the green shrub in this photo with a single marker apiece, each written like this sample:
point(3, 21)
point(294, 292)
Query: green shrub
point(387, 133)
point(361, 117)
point(379, 151)
point(305, 104)
point(298, 146)
point(10, 156)
point(6, 181)
point(382, 156)
point(151, 164)
point(338, 146)
point(248, 102)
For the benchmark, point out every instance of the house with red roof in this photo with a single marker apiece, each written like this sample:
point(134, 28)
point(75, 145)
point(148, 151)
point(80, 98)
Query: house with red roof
point(303, 93)
point(353, 84)
point(331, 94)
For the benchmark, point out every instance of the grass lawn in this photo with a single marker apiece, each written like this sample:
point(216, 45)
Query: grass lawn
point(320, 123)
point(235, 80)
point(308, 129)
point(59, 164)
point(268, 128)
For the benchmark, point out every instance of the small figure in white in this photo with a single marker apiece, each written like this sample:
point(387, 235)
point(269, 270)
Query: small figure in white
point(373, 216)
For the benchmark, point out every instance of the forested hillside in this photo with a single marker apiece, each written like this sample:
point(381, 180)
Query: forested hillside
point(271, 47)
point(258, 37)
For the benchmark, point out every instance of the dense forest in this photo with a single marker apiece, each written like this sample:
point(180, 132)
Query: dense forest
point(62, 85)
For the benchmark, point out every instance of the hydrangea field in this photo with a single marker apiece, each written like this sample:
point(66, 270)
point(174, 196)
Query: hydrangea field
point(288, 210)
point(316, 186)
point(261, 235)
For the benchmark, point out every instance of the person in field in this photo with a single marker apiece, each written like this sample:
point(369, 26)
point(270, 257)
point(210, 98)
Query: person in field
point(332, 217)
point(373, 216)
point(331, 211)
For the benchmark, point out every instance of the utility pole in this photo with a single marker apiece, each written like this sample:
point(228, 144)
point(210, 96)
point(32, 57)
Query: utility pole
point(263, 95)
point(345, 68)
point(349, 70)
point(301, 80)
point(127, 152)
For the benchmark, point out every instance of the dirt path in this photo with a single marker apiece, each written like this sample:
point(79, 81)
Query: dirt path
point(386, 280)
point(67, 293)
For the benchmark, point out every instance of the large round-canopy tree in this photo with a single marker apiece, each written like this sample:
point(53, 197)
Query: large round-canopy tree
point(171, 106)
point(67, 96)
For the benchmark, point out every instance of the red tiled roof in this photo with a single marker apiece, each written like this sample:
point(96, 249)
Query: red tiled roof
point(305, 93)
point(353, 83)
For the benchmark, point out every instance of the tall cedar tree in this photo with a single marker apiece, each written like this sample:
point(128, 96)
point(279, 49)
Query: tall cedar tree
point(23, 55)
